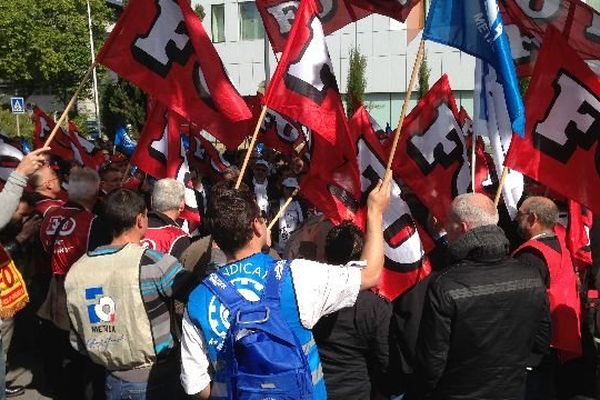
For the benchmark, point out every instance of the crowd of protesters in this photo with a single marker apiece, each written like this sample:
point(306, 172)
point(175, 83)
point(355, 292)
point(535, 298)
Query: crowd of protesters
point(124, 304)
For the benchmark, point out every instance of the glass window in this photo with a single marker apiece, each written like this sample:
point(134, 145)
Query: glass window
point(217, 12)
point(251, 26)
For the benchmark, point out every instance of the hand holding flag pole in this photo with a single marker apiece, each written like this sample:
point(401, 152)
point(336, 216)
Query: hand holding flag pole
point(416, 66)
point(251, 147)
point(282, 209)
point(69, 105)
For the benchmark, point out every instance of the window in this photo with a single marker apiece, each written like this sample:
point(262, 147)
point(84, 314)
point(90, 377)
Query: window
point(251, 27)
point(217, 12)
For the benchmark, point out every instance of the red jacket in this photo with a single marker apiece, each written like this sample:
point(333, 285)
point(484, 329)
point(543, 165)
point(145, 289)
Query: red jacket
point(163, 234)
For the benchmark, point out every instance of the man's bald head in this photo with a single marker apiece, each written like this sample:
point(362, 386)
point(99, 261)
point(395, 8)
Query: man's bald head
point(542, 208)
point(469, 211)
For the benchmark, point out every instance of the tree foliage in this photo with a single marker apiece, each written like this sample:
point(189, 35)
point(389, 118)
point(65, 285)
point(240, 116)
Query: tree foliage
point(46, 43)
point(424, 71)
point(199, 10)
point(8, 124)
point(357, 82)
point(122, 103)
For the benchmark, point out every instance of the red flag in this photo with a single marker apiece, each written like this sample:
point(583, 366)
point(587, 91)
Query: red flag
point(405, 262)
point(398, 10)
point(560, 148)
point(334, 192)
point(278, 17)
point(84, 151)
point(43, 125)
point(303, 87)
point(578, 235)
point(162, 48)
point(161, 154)
point(482, 171)
point(431, 157)
point(527, 22)
point(279, 133)
point(205, 158)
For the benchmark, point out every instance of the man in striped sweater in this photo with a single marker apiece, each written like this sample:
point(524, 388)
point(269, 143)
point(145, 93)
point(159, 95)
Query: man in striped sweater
point(117, 297)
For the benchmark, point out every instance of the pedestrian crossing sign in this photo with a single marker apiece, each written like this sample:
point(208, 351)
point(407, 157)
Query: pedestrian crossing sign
point(17, 104)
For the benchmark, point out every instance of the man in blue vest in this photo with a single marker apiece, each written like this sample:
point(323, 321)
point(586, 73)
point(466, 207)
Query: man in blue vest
point(310, 291)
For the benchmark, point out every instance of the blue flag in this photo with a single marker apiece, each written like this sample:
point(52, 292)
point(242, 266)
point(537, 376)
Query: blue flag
point(25, 146)
point(123, 142)
point(475, 27)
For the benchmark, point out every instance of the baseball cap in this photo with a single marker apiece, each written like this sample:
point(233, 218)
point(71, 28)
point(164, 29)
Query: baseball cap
point(290, 183)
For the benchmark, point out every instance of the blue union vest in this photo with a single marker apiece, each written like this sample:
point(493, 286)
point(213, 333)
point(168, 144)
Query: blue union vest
point(247, 276)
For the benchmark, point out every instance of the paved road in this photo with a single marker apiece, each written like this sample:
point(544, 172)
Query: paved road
point(22, 375)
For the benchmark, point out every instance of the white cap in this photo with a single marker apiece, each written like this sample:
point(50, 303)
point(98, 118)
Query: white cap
point(290, 183)
point(263, 163)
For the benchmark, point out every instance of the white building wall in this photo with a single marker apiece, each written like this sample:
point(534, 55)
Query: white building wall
point(381, 39)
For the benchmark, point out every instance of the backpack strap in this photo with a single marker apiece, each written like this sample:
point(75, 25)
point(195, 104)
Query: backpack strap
point(224, 290)
point(272, 292)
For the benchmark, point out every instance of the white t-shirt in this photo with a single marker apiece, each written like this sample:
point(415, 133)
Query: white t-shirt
point(288, 223)
point(262, 199)
point(321, 289)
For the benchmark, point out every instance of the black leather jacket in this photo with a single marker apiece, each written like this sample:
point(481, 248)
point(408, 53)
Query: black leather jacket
point(484, 315)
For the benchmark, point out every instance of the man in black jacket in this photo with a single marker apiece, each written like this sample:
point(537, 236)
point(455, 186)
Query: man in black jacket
point(484, 314)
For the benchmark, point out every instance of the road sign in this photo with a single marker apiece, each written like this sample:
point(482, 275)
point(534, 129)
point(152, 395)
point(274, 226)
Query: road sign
point(17, 104)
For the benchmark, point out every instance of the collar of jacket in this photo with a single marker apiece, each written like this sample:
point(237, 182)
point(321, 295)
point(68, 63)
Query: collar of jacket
point(160, 220)
point(485, 243)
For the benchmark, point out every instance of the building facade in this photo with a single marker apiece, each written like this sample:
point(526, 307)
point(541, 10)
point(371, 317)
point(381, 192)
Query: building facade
point(237, 31)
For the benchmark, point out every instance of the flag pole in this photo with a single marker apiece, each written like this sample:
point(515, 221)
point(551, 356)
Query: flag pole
point(251, 147)
point(473, 159)
point(70, 104)
point(282, 209)
point(500, 185)
point(416, 66)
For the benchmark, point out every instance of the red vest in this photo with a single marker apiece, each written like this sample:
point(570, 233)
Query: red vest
point(44, 205)
point(162, 238)
point(565, 307)
point(71, 242)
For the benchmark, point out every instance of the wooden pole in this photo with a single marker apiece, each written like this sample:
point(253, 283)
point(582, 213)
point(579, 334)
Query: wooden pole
point(251, 147)
point(501, 185)
point(282, 209)
point(416, 66)
point(125, 175)
point(69, 105)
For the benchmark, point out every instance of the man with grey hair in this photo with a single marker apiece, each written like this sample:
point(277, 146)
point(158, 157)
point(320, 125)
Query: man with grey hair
point(66, 233)
point(163, 233)
point(545, 251)
point(484, 314)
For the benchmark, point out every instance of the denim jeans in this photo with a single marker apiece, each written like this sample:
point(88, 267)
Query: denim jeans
point(168, 387)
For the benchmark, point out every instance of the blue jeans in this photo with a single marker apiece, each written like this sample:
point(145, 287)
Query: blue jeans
point(167, 387)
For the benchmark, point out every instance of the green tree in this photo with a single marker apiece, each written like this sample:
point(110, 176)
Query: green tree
point(356, 83)
point(122, 103)
point(199, 9)
point(46, 43)
point(424, 71)
point(8, 124)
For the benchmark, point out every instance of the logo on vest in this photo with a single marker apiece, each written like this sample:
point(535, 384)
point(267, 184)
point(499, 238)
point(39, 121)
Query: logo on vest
point(102, 312)
point(148, 244)
point(218, 314)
